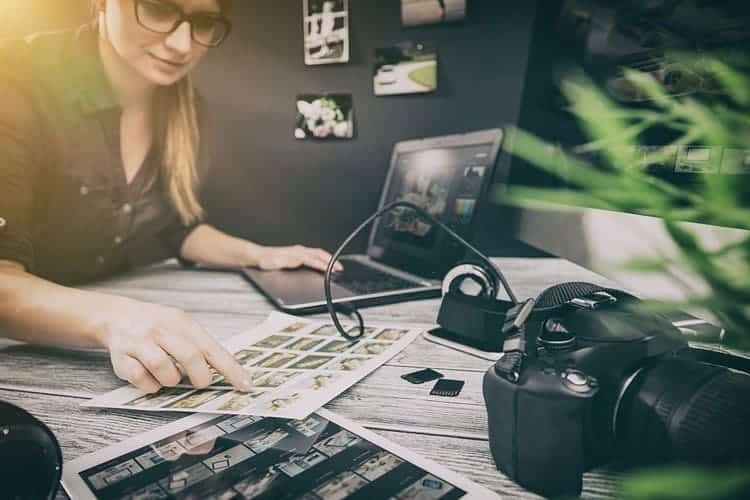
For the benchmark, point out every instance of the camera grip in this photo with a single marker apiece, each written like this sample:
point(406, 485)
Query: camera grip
point(537, 426)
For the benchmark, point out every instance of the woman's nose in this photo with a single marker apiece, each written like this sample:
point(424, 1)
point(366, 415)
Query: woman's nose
point(180, 39)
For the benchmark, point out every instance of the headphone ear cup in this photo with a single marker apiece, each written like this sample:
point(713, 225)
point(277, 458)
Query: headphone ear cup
point(461, 276)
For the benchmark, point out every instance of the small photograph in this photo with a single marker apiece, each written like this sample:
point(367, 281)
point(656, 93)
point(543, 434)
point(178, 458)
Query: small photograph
point(321, 380)
point(276, 360)
point(246, 354)
point(273, 341)
point(340, 486)
point(463, 208)
point(391, 335)
point(372, 348)
point(266, 440)
point(311, 362)
point(304, 344)
point(324, 117)
point(409, 68)
point(337, 346)
point(427, 488)
point(240, 400)
point(421, 12)
point(258, 483)
point(294, 327)
point(311, 426)
point(158, 398)
point(379, 465)
point(472, 184)
point(326, 331)
point(348, 364)
point(276, 379)
point(698, 160)
point(326, 28)
point(299, 464)
point(196, 399)
point(160, 453)
point(227, 459)
point(283, 402)
point(337, 443)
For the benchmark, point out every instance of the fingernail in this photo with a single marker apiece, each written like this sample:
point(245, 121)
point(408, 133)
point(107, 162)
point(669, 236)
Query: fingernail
point(246, 385)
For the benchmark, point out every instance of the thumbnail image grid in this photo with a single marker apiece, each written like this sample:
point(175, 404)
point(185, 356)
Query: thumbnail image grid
point(245, 457)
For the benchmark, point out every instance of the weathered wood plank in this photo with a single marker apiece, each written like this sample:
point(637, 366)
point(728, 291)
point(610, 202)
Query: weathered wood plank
point(82, 431)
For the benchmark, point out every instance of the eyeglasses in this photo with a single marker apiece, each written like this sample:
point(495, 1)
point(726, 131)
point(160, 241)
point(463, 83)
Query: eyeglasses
point(206, 29)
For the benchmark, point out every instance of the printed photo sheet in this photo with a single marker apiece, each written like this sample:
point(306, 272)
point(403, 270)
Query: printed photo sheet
point(323, 456)
point(296, 365)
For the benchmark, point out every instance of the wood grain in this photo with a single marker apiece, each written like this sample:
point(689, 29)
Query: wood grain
point(51, 383)
point(81, 431)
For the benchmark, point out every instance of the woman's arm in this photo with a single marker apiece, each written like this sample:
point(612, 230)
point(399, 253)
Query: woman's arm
point(208, 245)
point(143, 339)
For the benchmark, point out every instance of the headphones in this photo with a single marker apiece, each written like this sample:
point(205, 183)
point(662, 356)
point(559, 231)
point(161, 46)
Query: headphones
point(461, 280)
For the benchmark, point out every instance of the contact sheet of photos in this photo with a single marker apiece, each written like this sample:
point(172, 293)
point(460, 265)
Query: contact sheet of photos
point(235, 457)
point(296, 366)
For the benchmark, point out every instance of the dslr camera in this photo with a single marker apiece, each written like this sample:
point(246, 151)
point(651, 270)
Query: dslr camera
point(600, 380)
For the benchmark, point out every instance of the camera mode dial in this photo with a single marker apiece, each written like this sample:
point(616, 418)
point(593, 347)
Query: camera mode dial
point(577, 381)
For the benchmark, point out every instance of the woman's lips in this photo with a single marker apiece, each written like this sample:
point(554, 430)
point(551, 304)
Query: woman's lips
point(172, 64)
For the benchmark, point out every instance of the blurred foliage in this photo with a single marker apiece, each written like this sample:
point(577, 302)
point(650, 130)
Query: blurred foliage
point(624, 177)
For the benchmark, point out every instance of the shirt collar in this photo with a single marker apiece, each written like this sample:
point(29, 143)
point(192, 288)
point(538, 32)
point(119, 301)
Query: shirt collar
point(90, 89)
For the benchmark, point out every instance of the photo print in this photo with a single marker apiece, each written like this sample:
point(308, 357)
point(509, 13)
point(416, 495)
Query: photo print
point(324, 117)
point(421, 12)
point(408, 68)
point(326, 25)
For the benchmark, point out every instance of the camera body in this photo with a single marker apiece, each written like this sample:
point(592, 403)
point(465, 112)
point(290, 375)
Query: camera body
point(580, 399)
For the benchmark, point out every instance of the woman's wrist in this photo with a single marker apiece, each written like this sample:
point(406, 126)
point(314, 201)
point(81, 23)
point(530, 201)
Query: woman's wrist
point(253, 254)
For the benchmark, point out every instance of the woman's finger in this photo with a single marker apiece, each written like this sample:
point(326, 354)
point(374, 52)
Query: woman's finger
point(189, 356)
point(220, 359)
point(131, 370)
point(159, 364)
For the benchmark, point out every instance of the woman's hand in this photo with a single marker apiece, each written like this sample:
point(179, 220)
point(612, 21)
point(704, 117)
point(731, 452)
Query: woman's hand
point(273, 258)
point(147, 342)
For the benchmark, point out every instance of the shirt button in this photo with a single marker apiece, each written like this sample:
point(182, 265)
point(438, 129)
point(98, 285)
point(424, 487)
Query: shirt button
point(118, 240)
point(100, 260)
point(84, 190)
point(2, 223)
point(127, 208)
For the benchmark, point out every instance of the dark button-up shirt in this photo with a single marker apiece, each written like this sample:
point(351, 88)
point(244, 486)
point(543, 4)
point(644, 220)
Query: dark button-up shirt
point(67, 212)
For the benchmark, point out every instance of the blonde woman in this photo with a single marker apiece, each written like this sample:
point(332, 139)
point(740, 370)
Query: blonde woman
point(100, 163)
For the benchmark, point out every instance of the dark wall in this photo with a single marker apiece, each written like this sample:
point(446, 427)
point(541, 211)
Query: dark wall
point(271, 188)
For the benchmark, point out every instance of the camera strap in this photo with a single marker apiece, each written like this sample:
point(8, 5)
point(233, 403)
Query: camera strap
point(514, 345)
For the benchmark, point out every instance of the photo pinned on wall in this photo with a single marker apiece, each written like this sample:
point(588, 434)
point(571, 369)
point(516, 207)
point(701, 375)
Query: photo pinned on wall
point(324, 117)
point(326, 25)
point(421, 12)
point(408, 68)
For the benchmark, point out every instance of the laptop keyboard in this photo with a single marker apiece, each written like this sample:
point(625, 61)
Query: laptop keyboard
point(362, 279)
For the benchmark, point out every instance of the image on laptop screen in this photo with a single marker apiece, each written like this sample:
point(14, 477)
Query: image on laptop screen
point(446, 182)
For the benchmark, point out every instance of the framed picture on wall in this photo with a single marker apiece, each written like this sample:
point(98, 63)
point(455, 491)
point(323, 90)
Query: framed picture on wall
point(408, 68)
point(324, 117)
point(421, 12)
point(326, 25)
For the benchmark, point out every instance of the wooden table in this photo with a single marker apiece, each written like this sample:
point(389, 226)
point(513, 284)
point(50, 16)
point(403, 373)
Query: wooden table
point(51, 383)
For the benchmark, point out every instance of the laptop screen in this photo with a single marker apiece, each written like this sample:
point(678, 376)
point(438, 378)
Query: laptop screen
point(447, 182)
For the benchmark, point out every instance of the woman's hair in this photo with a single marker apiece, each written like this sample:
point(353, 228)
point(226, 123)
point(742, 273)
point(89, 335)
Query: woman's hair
point(178, 142)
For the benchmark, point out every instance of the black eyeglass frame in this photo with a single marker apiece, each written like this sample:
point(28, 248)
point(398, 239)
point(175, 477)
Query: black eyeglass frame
point(185, 17)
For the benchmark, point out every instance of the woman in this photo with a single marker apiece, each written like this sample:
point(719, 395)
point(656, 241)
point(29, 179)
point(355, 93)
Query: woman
point(100, 163)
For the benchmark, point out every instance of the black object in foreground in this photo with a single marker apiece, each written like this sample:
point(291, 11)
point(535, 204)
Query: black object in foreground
point(447, 387)
point(600, 381)
point(30, 457)
point(422, 376)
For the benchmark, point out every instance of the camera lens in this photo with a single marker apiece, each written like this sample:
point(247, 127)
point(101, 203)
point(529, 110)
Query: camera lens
point(684, 411)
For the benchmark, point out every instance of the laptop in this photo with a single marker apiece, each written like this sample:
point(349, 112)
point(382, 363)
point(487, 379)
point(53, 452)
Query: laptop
point(406, 257)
